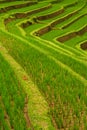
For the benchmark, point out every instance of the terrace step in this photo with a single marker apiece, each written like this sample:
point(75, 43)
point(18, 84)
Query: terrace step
point(71, 80)
point(51, 26)
point(6, 9)
point(48, 54)
point(67, 25)
point(51, 15)
point(71, 35)
point(26, 24)
point(25, 14)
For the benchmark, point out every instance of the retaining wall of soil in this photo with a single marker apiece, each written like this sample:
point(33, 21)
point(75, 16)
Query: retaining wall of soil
point(84, 45)
point(72, 35)
point(67, 25)
point(23, 15)
point(25, 25)
point(67, 37)
point(54, 14)
point(66, 17)
point(82, 31)
point(8, 20)
point(53, 24)
point(63, 18)
point(5, 9)
point(51, 15)
point(48, 16)
point(43, 31)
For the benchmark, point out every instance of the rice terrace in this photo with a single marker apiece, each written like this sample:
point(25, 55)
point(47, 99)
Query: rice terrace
point(43, 65)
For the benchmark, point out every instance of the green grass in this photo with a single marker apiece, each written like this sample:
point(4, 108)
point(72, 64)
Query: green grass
point(30, 8)
point(60, 56)
point(12, 99)
point(40, 69)
point(49, 11)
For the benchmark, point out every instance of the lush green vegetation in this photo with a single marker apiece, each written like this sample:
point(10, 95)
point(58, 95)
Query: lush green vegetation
point(58, 70)
point(12, 99)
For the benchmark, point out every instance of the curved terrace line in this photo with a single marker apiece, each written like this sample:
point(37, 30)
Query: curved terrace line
point(68, 50)
point(50, 27)
point(55, 13)
point(22, 15)
point(55, 49)
point(51, 15)
point(25, 14)
point(40, 18)
point(48, 16)
point(73, 21)
point(6, 9)
point(77, 53)
point(24, 33)
point(71, 35)
point(50, 46)
point(64, 50)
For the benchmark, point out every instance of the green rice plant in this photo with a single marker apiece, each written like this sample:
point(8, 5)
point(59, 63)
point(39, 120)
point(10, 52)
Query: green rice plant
point(40, 66)
point(59, 71)
point(12, 97)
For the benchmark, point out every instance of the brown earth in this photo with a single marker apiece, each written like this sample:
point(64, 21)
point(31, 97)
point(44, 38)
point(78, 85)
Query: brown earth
point(25, 25)
point(5, 9)
point(51, 15)
point(82, 31)
point(63, 19)
point(8, 20)
point(22, 15)
point(73, 21)
point(67, 37)
point(43, 31)
point(84, 45)
point(26, 14)
point(53, 24)
point(72, 35)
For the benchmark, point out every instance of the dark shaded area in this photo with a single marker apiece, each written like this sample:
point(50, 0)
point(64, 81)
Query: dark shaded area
point(25, 25)
point(84, 46)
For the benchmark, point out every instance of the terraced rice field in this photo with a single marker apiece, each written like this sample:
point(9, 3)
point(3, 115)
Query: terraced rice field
point(43, 65)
